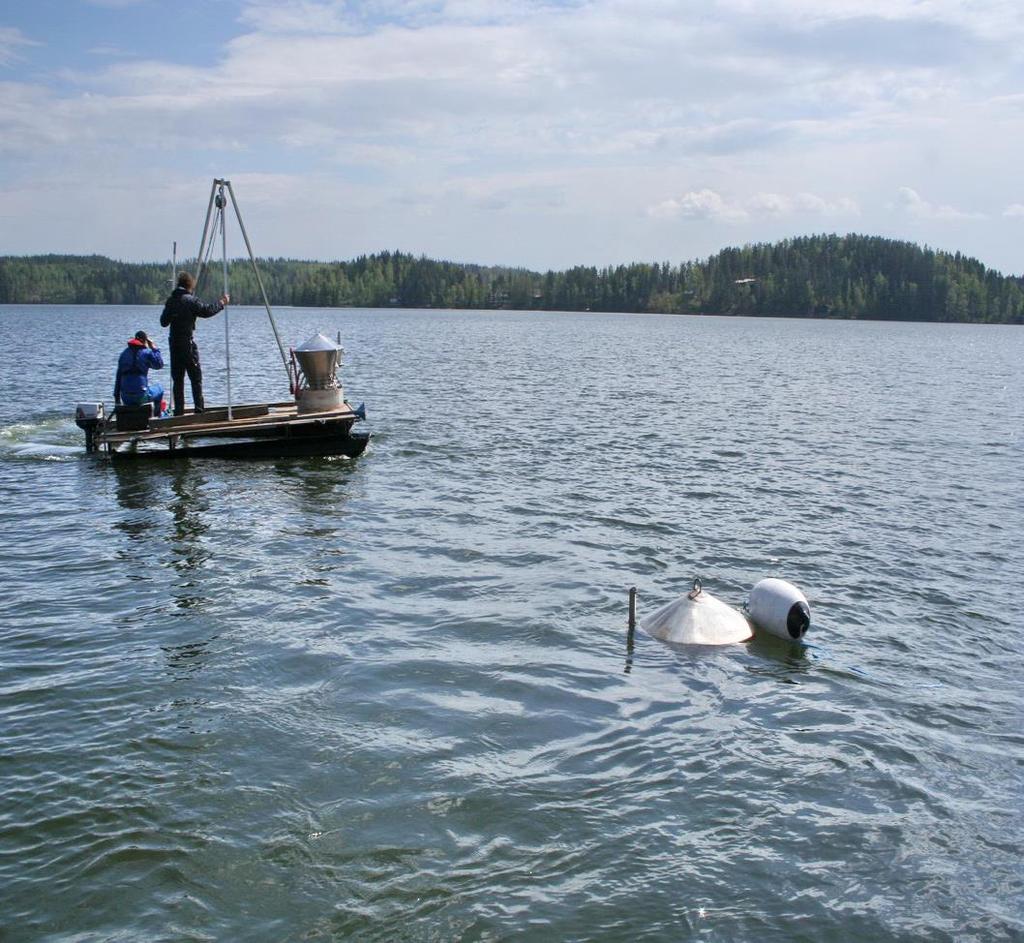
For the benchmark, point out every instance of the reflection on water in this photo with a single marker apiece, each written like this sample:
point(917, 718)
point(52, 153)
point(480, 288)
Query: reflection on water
point(166, 507)
point(188, 508)
point(174, 514)
point(186, 659)
point(138, 495)
point(319, 484)
point(794, 656)
point(630, 647)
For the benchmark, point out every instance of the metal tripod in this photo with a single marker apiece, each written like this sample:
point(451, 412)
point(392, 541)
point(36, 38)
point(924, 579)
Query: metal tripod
point(216, 212)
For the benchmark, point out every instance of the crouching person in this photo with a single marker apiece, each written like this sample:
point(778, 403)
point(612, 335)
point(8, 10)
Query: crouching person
point(132, 386)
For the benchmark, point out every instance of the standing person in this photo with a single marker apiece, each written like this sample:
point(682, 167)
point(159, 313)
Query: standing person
point(180, 313)
point(131, 385)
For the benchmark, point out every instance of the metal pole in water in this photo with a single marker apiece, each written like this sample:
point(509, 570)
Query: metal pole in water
point(221, 204)
point(631, 632)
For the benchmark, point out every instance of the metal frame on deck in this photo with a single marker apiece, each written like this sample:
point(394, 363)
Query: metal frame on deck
point(218, 189)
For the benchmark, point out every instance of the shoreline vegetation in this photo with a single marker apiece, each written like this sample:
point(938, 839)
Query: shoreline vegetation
point(822, 276)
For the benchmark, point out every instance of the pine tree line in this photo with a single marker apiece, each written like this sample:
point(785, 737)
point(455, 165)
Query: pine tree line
point(825, 276)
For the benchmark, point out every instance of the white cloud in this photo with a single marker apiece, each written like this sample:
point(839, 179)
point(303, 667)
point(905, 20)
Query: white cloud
point(339, 16)
point(479, 77)
point(993, 18)
point(28, 120)
point(708, 204)
point(580, 111)
point(699, 204)
point(770, 204)
point(1014, 209)
point(910, 202)
point(295, 16)
point(11, 42)
point(841, 206)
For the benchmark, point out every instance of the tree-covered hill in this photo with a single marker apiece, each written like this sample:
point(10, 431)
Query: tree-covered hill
point(813, 276)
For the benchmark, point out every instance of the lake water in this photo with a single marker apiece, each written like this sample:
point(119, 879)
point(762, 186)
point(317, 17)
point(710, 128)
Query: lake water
point(391, 698)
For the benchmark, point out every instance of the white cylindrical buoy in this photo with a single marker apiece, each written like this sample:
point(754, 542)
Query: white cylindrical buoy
point(697, 618)
point(779, 608)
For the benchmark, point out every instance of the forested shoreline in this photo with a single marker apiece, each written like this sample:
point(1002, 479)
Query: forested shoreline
point(824, 276)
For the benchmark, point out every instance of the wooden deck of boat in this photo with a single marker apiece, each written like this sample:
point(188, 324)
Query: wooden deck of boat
point(256, 418)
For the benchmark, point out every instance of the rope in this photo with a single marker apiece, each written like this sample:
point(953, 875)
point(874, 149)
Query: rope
point(204, 263)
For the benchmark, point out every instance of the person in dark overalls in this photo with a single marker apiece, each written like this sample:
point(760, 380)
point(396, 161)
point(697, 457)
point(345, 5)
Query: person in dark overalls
point(131, 385)
point(179, 314)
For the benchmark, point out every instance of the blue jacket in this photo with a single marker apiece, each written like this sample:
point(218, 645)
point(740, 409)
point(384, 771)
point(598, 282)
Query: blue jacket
point(132, 366)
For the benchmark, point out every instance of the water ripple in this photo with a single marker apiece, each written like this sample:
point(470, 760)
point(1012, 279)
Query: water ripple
point(393, 698)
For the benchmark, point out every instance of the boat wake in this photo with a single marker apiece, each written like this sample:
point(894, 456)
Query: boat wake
point(52, 439)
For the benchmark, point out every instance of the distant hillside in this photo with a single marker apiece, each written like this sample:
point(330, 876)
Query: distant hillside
point(825, 276)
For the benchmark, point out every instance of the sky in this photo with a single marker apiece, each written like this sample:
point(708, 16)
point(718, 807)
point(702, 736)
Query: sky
point(539, 133)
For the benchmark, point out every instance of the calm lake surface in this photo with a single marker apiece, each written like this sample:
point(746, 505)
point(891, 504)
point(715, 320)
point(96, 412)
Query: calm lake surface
point(390, 698)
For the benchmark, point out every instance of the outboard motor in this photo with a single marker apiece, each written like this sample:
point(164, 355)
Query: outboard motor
point(779, 608)
point(317, 388)
point(88, 417)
